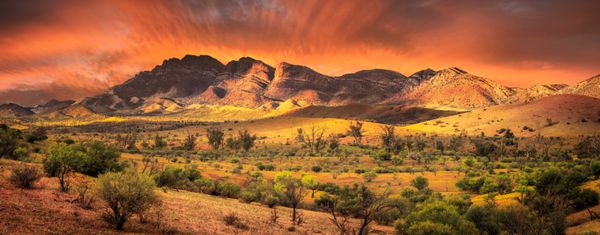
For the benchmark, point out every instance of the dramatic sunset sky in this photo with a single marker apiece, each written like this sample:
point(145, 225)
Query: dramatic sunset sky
point(71, 49)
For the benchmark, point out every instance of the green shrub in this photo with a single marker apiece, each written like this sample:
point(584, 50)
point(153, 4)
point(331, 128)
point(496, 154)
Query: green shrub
point(229, 189)
point(125, 194)
point(9, 141)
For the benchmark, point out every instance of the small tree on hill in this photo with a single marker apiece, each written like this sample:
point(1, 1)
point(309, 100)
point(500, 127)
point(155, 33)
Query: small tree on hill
point(189, 143)
point(291, 188)
point(215, 137)
point(355, 130)
point(388, 138)
point(159, 142)
point(310, 182)
point(246, 140)
point(314, 139)
point(61, 161)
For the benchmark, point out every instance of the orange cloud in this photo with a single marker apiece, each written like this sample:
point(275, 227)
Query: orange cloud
point(71, 49)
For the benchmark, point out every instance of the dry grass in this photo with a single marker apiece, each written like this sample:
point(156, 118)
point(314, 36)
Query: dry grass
point(46, 210)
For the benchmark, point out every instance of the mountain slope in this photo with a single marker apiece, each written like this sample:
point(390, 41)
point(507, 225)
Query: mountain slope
point(454, 88)
point(52, 105)
point(589, 87)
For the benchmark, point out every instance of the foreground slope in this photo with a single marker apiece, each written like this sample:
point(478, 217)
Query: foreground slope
point(558, 115)
point(45, 210)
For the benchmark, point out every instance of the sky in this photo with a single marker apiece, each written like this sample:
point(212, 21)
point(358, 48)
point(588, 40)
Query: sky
point(69, 49)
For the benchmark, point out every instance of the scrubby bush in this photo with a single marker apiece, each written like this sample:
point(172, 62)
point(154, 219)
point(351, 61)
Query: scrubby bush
point(369, 176)
point(228, 189)
point(25, 177)
point(420, 183)
point(125, 194)
point(383, 156)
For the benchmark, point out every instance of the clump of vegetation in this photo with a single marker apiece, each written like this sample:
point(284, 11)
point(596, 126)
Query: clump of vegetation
point(233, 220)
point(125, 194)
point(90, 158)
point(25, 177)
point(9, 142)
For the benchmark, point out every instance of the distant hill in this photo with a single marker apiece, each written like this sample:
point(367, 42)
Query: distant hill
point(14, 110)
point(52, 105)
point(553, 115)
point(377, 113)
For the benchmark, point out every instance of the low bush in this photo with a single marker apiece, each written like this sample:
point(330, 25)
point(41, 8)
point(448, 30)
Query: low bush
point(25, 177)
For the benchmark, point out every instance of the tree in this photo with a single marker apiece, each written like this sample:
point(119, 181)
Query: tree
point(420, 182)
point(215, 137)
point(388, 138)
point(125, 194)
point(334, 144)
point(456, 143)
point(130, 141)
point(355, 130)
point(246, 140)
point(159, 142)
point(370, 206)
point(484, 147)
point(9, 141)
point(189, 143)
point(589, 147)
point(61, 161)
point(291, 188)
point(310, 182)
point(233, 143)
point(98, 158)
point(314, 139)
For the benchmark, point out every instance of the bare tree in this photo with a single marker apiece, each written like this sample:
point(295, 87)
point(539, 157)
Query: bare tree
point(314, 139)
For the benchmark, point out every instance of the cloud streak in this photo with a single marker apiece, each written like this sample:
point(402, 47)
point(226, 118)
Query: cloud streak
point(71, 49)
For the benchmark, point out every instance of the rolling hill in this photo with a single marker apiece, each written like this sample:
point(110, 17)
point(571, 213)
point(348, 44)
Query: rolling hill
point(558, 115)
point(377, 113)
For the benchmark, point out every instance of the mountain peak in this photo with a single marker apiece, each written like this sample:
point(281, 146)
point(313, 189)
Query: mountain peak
point(452, 70)
point(203, 62)
point(423, 74)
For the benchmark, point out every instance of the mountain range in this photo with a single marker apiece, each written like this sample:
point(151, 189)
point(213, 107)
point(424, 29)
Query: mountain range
point(250, 83)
